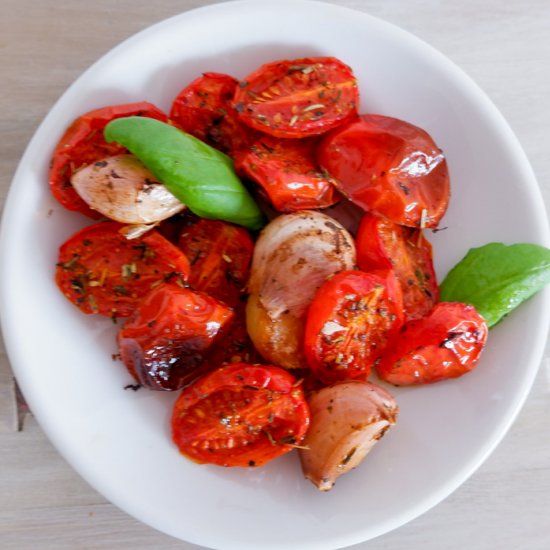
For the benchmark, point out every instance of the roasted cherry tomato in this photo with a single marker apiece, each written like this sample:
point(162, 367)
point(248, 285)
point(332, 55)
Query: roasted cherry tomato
point(298, 98)
point(164, 342)
point(101, 271)
point(382, 244)
point(445, 344)
point(349, 323)
point(83, 143)
point(240, 415)
point(287, 172)
point(171, 228)
point(220, 255)
point(235, 345)
point(204, 109)
point(388, 167)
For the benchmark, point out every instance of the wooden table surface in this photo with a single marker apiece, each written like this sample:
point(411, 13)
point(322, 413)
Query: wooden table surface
point(503, 45)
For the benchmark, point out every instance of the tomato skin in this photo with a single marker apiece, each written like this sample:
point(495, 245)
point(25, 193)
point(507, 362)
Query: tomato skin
point(235, 344)
point(240, 415)
point(100, 271)
point(204, 109)
point(445, 344)
point(83, 143)
point(350, 321)
point(287, 172)
point(382, 244)
point(164, 342)
point(298, 98)
point(220, 254)
point(388, 167)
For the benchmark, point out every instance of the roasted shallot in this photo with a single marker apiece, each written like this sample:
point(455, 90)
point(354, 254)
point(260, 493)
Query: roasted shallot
point(294, 255)
point(347, 419)
point(123, 189)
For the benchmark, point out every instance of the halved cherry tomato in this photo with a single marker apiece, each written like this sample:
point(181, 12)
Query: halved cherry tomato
point(287, 172)
point(101, 271)
point(382, 244)
point(220, 254)
point(388, 167)
point(83, 143)
point(164, 342)
point(349, 323)
point(298, 98)
point(240, 415)
point(445, 344)
point(204, 109)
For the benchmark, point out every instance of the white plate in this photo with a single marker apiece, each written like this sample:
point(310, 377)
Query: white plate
point(119, 440)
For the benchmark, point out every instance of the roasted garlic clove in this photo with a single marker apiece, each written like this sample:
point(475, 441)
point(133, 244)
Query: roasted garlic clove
point(123, 189)
point(294, 255)
point(347, 419)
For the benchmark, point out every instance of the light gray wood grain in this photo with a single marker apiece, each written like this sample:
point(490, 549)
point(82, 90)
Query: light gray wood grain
point(504, 46)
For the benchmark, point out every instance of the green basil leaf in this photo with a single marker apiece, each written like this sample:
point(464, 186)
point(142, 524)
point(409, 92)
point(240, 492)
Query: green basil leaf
point(496, 278)
point(198, 175)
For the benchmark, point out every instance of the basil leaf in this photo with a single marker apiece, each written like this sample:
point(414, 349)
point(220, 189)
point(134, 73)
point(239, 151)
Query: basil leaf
point(198, 175)
point(497, 278)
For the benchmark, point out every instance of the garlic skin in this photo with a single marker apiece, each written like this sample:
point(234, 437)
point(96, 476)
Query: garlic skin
point(123, 189)
point(134, 231)
point(294, 255)
point(347, 419)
